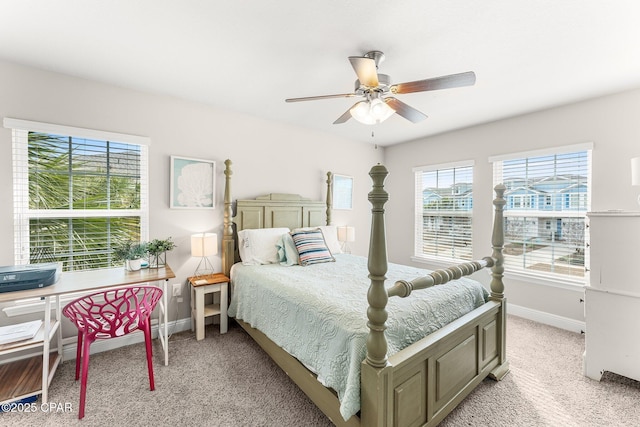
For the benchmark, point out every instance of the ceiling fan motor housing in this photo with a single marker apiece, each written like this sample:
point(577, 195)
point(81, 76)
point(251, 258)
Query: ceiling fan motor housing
point(384, 83)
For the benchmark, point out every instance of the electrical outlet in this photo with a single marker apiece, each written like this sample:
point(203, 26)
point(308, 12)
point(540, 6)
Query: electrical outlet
point(177, 289)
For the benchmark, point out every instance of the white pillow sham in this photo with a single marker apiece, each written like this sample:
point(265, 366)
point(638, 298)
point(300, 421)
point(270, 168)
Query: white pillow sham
point(260, 245)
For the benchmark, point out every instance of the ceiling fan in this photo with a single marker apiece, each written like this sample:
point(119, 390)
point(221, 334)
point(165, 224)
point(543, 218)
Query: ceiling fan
point(375, 88)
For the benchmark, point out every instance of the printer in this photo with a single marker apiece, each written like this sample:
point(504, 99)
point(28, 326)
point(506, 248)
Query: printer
point(29, 276)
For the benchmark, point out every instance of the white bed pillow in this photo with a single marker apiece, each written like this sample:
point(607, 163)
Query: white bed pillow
point(330, 234)
point(260, 245)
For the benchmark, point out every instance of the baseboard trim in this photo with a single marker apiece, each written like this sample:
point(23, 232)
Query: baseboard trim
point(69, 349)
point(546, 318)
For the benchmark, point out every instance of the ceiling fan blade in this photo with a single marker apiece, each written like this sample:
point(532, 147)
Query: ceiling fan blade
point(436, 83)
point(343, 118)
point(405, 111)
point(314, 98)
point(366, 70)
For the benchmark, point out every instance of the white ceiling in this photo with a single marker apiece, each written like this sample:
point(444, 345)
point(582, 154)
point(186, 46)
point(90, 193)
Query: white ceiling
point(249, 55)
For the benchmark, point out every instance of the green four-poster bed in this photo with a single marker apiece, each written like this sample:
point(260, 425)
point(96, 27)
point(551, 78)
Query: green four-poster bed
point(397, 383)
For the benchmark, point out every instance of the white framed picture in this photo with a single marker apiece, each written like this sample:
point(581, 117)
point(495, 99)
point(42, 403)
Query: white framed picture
point(192, 183)
point(342, 192)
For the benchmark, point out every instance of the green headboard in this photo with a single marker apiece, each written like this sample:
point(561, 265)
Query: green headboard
point(279, 210)
point(271, 210)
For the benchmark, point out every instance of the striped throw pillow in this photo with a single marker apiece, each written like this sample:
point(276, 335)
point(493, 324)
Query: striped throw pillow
point(311, 247)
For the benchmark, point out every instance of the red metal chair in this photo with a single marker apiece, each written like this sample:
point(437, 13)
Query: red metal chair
point(109, 314)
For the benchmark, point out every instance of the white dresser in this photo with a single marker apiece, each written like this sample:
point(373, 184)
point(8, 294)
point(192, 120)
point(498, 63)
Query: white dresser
point(612, 297)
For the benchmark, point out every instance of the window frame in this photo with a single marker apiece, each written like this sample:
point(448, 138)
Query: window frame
point(565, 281)
point(20, 163)
point(342, 192)
point(418, 254)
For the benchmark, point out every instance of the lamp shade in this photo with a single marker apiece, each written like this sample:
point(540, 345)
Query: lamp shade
point(204, 244)
point(635, 171)
point(346, 234)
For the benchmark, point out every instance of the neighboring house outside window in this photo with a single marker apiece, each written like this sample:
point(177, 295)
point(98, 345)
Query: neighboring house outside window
point(443, 211)
point(77, 194)
point(547, 198)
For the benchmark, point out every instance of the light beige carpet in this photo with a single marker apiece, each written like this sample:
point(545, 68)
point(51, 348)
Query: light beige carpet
point(226, 380)
point(545, 386)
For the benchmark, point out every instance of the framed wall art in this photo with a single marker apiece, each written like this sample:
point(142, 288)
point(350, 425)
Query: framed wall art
point(192, 183)
point(342, 192)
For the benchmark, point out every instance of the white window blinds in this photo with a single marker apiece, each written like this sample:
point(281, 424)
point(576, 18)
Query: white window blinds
point(77, 193)
point(444, 210)
point(548, 195)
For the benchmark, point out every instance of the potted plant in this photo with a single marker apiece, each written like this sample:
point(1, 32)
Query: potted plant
point(131, 253)
point(157, 249)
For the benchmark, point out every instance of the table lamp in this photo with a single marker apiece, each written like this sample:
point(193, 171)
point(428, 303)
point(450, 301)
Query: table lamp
point(346, 234)
point(204, 245)
point(635, 173)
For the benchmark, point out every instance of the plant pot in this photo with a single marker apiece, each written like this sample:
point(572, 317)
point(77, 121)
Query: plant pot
point(133, 264)
point(158, 261)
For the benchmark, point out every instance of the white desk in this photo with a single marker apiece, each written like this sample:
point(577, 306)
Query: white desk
point(14, 385)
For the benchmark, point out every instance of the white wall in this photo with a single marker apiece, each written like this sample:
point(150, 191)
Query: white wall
point(267, 157)
point(270, 157)
point(611, 123)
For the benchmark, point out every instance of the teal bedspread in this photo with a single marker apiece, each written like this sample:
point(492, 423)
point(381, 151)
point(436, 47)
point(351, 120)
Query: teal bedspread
point(317, 314)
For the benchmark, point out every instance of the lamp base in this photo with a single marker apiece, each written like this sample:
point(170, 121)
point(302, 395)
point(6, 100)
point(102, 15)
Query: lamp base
point(204, 267)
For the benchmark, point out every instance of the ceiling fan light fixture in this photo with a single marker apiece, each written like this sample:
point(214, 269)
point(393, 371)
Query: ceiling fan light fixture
point(371, 111)
point(361, 111)
point(380, 110)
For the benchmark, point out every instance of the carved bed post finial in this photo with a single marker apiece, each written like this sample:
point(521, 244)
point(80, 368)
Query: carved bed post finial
point(377, 295)
point(228, 250)
point(329, 196)
point(497, 242)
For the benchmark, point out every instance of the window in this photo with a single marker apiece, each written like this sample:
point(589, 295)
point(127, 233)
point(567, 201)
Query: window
point(342, 192)
point(548, 196)
point(77, 193)
point(444, 208)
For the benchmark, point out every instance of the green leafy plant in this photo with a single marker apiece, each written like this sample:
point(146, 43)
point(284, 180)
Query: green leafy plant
point(157, 246)
point(130, 250)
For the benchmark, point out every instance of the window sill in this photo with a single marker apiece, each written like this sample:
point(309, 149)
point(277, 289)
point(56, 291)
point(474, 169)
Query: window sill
point(554, 282)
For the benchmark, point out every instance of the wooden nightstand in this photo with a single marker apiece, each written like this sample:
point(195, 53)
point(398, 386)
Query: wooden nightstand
point(200, 286)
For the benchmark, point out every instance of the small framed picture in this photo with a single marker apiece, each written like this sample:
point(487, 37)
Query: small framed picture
point(192, 183)
point(342, 192)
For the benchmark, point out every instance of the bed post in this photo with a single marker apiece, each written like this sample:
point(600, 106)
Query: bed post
point(377, 263)
point(376, 374)
point(497, 273)
point(497, 243)
point(228, 249)
point(329, 196)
